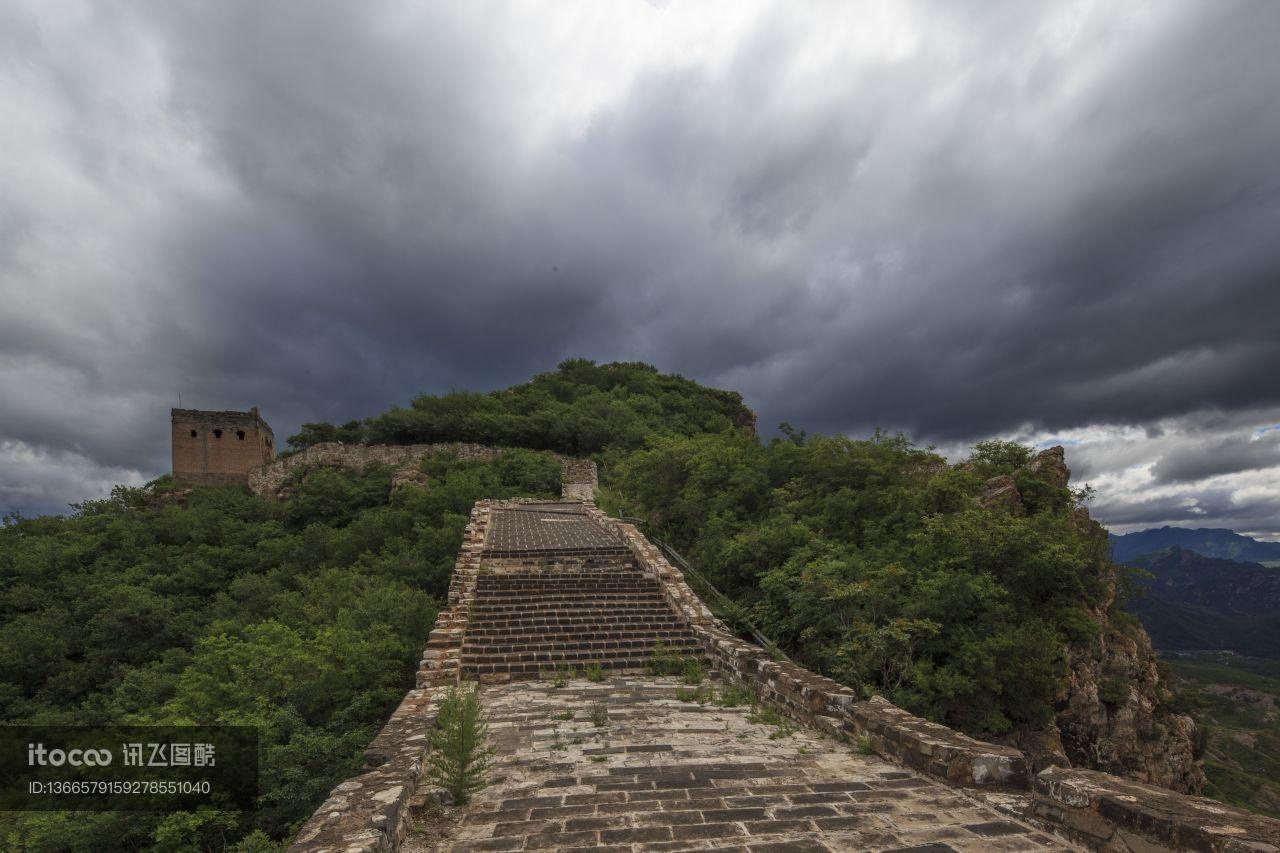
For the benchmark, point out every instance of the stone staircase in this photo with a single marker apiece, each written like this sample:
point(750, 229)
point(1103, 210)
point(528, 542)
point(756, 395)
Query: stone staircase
point(541, 615)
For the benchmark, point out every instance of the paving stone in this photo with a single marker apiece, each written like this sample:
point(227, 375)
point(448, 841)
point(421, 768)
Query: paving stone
point(534, 529)
point(636, 834)
point(998, 827)
point(803, 845)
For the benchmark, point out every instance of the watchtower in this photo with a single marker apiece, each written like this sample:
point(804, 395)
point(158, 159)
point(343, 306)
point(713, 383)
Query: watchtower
point(219, 448)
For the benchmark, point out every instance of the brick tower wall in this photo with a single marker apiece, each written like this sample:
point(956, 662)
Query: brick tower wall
point(219, 448)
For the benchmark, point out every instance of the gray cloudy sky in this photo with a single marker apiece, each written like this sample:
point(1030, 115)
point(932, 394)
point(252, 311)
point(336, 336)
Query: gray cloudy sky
point(1049, 221)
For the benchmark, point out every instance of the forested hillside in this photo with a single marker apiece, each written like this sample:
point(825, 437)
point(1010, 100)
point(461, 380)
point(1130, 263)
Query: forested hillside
point(580, 409)
point(1191, 602)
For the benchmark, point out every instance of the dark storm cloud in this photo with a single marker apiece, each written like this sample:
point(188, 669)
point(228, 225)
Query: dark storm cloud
point(1192, 462)
point(954, 219)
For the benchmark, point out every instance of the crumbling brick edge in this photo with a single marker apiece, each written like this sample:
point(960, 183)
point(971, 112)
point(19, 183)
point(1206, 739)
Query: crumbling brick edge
point(1106, 812)
point(368, 813)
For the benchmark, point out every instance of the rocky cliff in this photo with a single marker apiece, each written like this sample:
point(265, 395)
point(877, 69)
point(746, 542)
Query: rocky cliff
point(1113, 712)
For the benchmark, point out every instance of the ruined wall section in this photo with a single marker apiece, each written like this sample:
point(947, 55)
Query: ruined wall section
point(218, 448)
point(578, 476)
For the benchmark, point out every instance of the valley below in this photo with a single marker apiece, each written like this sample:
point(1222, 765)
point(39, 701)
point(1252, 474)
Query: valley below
point(1235, 699)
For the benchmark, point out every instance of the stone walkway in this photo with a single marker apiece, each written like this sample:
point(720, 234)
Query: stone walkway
point(639, 763)
point(559, 528)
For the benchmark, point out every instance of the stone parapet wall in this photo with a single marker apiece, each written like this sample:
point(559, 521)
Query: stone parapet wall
point(578, 476)
point(442, 660)
point(1110, 813)
point(368, 813)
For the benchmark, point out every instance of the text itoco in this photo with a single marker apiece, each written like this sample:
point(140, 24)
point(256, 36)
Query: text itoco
point(38, 755)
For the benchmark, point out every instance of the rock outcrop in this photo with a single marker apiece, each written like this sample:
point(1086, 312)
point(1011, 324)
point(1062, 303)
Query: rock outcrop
point(1112, 713)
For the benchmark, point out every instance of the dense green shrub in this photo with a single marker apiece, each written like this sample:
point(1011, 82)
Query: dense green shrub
point(582, 408)
point(872, 562)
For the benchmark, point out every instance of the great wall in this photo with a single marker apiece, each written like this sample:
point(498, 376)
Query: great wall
point(540, 585)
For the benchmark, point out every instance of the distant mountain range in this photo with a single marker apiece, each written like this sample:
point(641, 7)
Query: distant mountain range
point(1195, 602)
point(1209, 542)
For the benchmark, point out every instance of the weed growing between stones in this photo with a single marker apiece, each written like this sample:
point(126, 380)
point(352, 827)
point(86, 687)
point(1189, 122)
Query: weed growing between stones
point(692, 671)
point(563, 715)
point(662, 661)
point(764, 715)
point(459, 759)
point(595, 673)
point(599, 715)
point(784, 729)
point(701, 695)
point(559, 677)
point(864, 745)
point(732, 696)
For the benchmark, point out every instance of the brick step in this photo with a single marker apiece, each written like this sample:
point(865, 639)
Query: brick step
point(603, 636)
point(539, 563)
point(577, 625)
point(531, 669)
point(535, 577)
point(640, 652)
point(537, 651)
point(577, 615)
point(610, 552)
point(568, 607)
point(534, 670)
point(570, 590)
point(585, 603)
point(575, 587)
point(568, 594)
